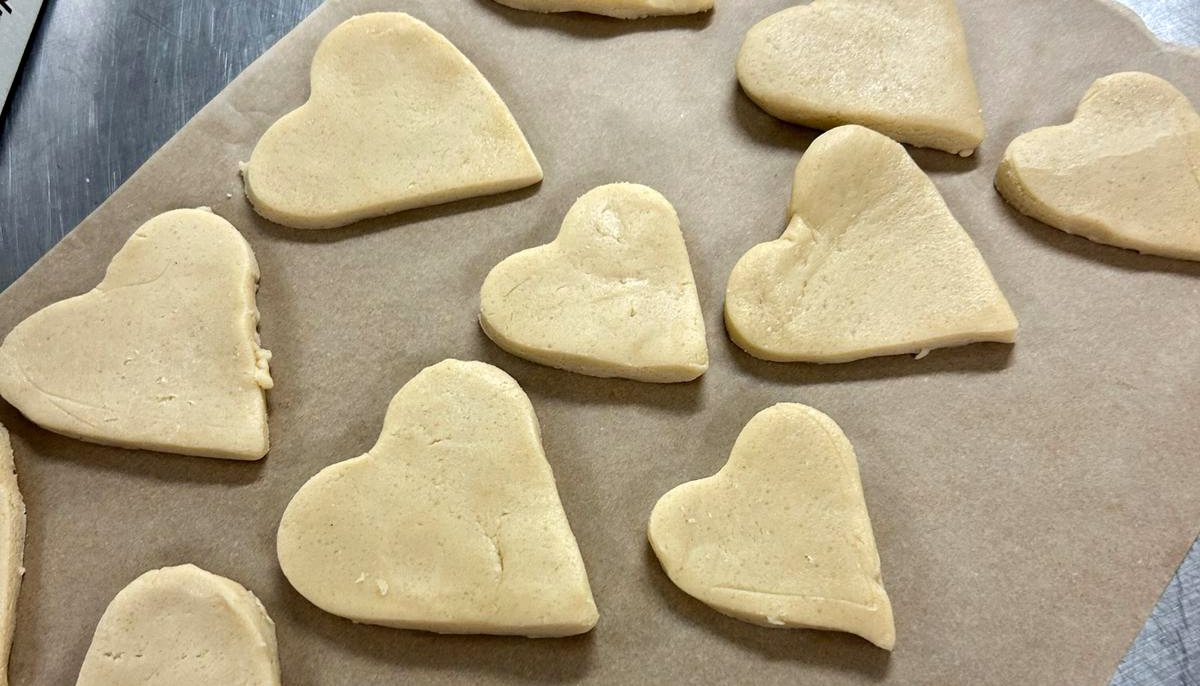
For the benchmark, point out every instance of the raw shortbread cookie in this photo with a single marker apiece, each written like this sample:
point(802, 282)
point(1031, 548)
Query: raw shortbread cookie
point(872, 263)
point(897, 66)
point(1125, 172)
point(12, 550)
point(451, 523)
point(780, 535)
point(398, 118)
point(612, 295)
point(621, 9)
point(182, 626)
point(162, 355)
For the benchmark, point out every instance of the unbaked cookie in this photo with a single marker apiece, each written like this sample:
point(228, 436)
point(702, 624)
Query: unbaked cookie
point(182, 626)
point(872, 263)
point(621, 9)
point(1125, 172)
point(12, 550)
point(162, 355)
point(398, 118)
point(897, 66)
point(780, 536)
point(612, 295)
point(451, 523)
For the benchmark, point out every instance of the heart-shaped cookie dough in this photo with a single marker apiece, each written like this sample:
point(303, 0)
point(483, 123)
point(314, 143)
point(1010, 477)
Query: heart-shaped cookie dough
point(1125, 172)
point(780, 535)
point(162, 355)
point(897, 66)
point(182, 626)
point(12, 550)
point(621, 9)
point(872, 263)
point(451, 523)
point(612, 295)
point(398, 118)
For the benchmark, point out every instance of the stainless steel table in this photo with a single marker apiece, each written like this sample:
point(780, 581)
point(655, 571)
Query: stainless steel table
point(106, 82)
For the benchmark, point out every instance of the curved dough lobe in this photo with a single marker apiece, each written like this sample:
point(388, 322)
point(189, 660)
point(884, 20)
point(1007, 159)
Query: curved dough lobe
point(398, 118)
point(780, 535)
point(612, 295)
point(451, 523)
point(162, 355)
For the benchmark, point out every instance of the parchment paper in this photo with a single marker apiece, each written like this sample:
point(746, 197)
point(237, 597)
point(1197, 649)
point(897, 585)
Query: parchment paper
point(1029, 502)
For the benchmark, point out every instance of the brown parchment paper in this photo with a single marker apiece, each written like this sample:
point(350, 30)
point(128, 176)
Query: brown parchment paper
point(1030, 502)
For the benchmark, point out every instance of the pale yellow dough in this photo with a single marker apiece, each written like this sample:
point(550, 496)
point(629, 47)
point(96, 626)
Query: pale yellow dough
point(780, 536)
point(1125, 172)
point(621, 9)
point(872, 263)
point(12, 550)
point(897, 66)
point(162, 355)
point(182, 626)
point(612, 295)
point(397, 118)
point(451, 523)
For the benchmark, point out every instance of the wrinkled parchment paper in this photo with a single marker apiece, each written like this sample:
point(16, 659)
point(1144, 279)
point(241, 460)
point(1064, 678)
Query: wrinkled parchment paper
point(1030, 502)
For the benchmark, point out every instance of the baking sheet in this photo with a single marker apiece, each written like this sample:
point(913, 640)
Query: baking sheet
point(1029, 502)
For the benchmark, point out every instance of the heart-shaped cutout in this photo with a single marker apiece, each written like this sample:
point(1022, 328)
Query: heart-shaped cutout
point(872, 263)
point(162, 355)
point(398, 118)
point(780, 536)
point(451, 523)
point(182, 626)
point(621, 9)
point(1125, 171)
point(12, 549)
point(612, 295)
point(897, 66)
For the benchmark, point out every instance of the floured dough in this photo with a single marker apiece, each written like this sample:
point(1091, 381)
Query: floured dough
point(897, 66)
point(182, 626)
point(12, 550)
point(613, 295)
point(872, 263)
point(1125, 172)
point(621, 9)
point(780, 536)
point(162, 355)
point(398, 118)
point(451, 523)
